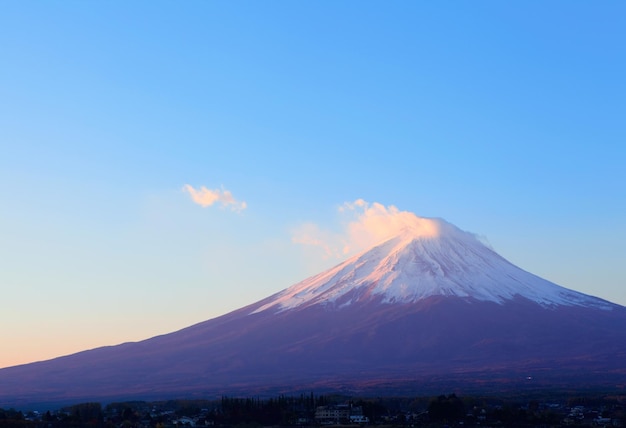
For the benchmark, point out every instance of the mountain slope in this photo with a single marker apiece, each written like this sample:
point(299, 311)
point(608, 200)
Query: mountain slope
point(431, 305)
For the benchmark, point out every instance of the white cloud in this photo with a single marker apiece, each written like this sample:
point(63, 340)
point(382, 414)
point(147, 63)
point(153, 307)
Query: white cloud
point(207, 197)
point(365, 224)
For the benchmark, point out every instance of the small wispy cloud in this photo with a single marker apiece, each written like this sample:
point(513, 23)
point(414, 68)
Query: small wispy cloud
point(207, 197)
point(311, 234)
point(364, 225)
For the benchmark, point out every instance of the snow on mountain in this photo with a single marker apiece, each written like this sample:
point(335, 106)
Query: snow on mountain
point(430, 257)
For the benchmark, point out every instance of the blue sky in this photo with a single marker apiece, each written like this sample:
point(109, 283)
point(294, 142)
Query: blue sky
point(504, 118)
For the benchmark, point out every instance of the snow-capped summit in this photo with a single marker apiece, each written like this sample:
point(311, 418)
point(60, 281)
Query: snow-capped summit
point(429, 257)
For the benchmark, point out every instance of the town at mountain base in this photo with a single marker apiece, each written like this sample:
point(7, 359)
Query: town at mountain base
point(427, 309)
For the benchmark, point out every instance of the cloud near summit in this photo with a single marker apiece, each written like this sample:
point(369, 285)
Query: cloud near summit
point(364, 225)
point(207, 197)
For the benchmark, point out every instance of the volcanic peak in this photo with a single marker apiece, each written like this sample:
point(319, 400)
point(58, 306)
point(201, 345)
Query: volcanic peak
point(430, 257)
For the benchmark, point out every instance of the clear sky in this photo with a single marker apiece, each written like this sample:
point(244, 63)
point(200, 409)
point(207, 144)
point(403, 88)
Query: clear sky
point(163, 163)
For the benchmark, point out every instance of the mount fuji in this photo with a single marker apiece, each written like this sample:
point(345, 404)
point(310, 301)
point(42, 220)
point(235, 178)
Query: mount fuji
point(426, 309)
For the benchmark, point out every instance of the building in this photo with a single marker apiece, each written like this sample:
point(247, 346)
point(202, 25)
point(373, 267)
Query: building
point(341, 413)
